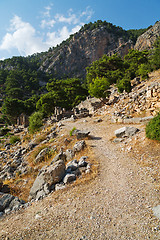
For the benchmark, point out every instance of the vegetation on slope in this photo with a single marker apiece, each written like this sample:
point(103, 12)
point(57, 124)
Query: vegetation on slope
point(153, 128)
point(21, 83)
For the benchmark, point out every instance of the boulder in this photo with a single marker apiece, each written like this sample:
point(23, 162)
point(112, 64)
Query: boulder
point(59, 186)
point(69, 178)
point(40, 157)
point(47, 177)
point(82, 161)
point(60, 156)
point(80, 134)
point(126, 132)
point(69, 154)
point(79, 146)
point(5, 200)
point(72, 165)
point(9, 203)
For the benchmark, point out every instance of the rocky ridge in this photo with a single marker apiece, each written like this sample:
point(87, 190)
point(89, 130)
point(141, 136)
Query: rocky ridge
point(147, 39)
point(74, 56)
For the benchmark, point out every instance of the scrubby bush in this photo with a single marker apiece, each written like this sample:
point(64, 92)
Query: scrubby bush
point(14, 139)
point(35, 122)
point(124, 84)
point(4, 131)
point(71, 132)
point(153, 128)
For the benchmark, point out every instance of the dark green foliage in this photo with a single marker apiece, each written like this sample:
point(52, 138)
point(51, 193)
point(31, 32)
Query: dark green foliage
point(35, 122)
point(4, 131)
point(30, 105)
point(108, 67)
point(65, 93)
point(153, 128)
point(98, 87)
point(12, 108)
point(14, 139)
point(155, 57)
point(124, 84)
point(135, 33)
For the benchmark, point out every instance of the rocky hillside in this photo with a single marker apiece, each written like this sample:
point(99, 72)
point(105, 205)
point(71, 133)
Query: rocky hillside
point(71, 58)
point(147, 39)
point(67, 194)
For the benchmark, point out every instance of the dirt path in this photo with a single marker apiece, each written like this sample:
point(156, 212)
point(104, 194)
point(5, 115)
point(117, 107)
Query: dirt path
point(116, 205)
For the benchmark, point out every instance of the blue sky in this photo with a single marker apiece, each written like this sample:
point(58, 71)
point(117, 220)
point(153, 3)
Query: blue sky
point(31, 26)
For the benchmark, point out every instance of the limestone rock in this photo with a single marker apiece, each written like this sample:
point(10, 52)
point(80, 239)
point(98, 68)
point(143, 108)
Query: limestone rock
point(126, 132)
point(79, 146)
point(69, 178)
point(50, 176)
point(40, 157)
point(147, 39)
point(69, 154)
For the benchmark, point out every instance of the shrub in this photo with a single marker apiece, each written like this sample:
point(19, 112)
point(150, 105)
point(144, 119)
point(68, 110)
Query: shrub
point(35, 122)
point(124, 84)
point(71, 132)
point(14, 139)
point(153, 128)
point(4, 131)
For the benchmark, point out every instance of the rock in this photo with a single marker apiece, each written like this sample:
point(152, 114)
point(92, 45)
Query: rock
point(72, 165)
point(31, 145)
point(69, 154)
point(59, 186)
point(5, 200)
point(40, 195)
point(1, 214)
point(47, 177)
point(9, 203)
point(76, 172)
point(118, 140)
point(52, 135)
point(40, 157)
point(69, 178)
point(82, 161)
point(60, 156)
point(80, 134)
point(66, 141)
point(79, 146)
point(126, 132)
point(148, 38)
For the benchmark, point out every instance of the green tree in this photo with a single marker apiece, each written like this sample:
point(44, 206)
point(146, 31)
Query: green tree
point(124, 84)
point(12, 108)
point(155, 57)
point(48, 102)
point(35, 121)
point(98, 87)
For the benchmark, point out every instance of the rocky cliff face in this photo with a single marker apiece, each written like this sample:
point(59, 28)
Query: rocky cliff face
point(147, 39)
point(74, 56)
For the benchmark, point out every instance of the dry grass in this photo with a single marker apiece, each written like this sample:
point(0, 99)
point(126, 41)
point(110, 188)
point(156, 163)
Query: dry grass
point(147, 154)
point(20, 186)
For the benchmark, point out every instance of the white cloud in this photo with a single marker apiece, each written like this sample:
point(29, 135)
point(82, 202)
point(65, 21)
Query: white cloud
point(88, 13)
point(71, 19)
point(49, 23)
point(22, 36)
point(47, 10)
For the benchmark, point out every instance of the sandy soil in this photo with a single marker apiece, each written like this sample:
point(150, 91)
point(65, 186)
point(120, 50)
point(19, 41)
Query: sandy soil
point(117, 204)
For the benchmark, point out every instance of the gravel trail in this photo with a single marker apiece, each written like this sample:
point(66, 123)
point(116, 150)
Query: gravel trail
point(116, 205)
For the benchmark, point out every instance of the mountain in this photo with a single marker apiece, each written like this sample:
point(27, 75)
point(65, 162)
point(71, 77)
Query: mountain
point(147, 39)
point(89, 44)
point(71, 57)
